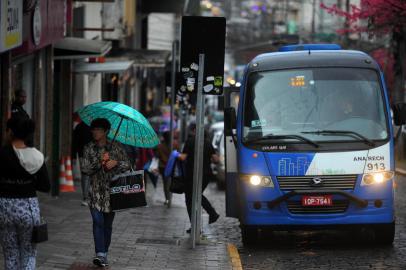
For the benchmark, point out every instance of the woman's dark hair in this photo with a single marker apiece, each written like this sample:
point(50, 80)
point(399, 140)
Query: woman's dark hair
point(101, 123)
point(22, 128)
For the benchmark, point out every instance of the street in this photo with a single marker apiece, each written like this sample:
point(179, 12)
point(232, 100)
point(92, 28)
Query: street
point(321, 249)
point(154, 238)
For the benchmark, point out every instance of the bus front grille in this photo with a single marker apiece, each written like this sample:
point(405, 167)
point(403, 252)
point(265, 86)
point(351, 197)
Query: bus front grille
point(339, 182)
point(339, 206)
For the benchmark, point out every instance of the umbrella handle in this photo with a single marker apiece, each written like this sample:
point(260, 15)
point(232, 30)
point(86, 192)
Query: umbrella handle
point(115, 135)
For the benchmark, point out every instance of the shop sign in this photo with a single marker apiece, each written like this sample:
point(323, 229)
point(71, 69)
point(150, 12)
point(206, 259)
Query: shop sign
point(36, 26)
point(11, 24)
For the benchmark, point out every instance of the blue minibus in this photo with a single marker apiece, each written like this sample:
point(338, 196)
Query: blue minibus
point(309, 143)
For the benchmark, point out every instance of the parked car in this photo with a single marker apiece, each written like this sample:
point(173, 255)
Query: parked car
point(221, 166)
point(215, 132)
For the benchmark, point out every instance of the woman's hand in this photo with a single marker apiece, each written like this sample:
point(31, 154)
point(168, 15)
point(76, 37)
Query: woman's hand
point(111, 164)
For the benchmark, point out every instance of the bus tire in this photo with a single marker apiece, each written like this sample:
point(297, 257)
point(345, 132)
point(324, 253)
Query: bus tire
point(385, 234)
point(248, 235)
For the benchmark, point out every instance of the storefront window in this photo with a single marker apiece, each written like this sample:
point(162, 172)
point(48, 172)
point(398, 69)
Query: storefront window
point(23, 78)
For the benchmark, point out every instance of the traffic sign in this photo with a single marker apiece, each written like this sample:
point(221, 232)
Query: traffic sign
point(203, 35)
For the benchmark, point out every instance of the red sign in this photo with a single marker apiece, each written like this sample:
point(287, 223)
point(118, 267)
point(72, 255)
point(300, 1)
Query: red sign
point(52, 17)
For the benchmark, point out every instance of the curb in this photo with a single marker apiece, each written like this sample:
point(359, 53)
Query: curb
point(400, 171)
point(234, 257)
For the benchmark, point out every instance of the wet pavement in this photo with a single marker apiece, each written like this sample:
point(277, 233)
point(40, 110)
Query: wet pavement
point(152, 237)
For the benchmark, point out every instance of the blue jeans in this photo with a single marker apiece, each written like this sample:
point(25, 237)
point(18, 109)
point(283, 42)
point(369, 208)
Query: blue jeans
point(102, 229)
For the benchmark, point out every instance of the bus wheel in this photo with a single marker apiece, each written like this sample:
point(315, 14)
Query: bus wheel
point(248, 235)
point(385, 234)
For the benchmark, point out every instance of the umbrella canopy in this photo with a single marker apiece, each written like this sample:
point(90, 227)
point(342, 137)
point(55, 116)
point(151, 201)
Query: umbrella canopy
point(128, 126)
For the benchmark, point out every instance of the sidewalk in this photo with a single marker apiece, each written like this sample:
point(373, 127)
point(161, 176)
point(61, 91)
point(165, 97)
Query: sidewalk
point(152, 237)
point(401, 167)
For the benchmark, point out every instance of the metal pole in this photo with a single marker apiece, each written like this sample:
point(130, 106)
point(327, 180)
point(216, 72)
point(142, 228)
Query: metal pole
point(198, 164)
point(173, 92)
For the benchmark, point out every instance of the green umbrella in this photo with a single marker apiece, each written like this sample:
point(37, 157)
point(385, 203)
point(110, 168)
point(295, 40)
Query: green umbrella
point(128, 126)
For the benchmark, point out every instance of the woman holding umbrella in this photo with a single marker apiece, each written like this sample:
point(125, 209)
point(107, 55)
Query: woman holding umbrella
point(102, 160)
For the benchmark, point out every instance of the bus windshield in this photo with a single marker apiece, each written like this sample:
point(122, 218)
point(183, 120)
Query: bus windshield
point(317, 104)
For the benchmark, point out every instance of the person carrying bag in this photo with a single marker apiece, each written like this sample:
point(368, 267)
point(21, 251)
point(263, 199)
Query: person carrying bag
point(175, 170)
point(22, 173)
point(102, 160)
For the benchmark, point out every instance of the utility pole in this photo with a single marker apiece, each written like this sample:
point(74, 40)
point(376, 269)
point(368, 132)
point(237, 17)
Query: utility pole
point(347, 23)
point(313, 33)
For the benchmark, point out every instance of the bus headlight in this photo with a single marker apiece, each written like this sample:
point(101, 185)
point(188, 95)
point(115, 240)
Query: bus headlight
point(376, 178)
point(257, 180)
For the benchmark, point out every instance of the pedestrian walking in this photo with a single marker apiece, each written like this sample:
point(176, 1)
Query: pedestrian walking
point(101, 161)
point(144, 160)
point(209, 155)
point(22, 172)
point(162, 152)
point(82, 135)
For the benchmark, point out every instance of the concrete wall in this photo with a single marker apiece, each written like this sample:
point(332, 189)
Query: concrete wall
point(161, 31)
point(88, 88)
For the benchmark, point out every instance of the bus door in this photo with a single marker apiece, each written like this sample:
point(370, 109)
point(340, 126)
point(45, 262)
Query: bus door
point(231, 98)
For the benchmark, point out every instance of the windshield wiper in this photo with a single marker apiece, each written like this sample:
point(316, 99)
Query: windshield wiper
point(272, 136)
point(341, 132)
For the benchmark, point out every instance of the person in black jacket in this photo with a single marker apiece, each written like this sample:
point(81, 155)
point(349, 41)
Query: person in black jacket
point(22, 172)
point(82, 135)
point(209, 155)
point(17, 110)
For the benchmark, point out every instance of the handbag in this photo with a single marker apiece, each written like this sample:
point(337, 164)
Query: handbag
point(127, 190)
point(40, 231)
point(178, 181)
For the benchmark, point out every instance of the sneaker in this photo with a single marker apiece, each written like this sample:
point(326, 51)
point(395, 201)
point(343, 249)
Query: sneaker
point(166, 202)
point(100, 261)
point(169, 203)
point(105, 262)
point(84, 203)
point(213, 218)
point(190, 230)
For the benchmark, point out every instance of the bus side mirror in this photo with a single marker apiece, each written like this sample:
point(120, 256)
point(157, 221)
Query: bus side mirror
point(230, 121)
point(399, 114)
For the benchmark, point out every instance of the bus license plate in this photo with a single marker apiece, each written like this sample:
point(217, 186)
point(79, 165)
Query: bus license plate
point(323, 200)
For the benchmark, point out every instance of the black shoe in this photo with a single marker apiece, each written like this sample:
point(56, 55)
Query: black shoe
point(213, 218)
point(105, 262)
point(190, 230)
point(100, 261)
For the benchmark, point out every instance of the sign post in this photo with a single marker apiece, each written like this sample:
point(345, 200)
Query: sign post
point(173, 92)
point(198, 166)
point(202, 70)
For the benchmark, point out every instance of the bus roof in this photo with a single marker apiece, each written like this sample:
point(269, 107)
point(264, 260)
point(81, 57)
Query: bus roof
point(311, 58)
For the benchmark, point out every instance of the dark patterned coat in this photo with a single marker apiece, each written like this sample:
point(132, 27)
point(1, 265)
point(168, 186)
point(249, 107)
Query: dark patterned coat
point(99, 190)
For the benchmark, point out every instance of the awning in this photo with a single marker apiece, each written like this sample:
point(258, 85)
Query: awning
point(142, 57)
point(167, 6)
point(108, 67)
point(79, 48)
